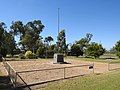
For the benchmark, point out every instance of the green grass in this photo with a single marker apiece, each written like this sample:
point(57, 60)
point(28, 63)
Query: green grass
point(108, 81)
point(94, 60)
point(103, 60)
point(115, 61)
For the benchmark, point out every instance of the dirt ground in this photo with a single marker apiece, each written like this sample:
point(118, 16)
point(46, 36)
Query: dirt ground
point(2, 69)
point(46, 64)
point(48, 75)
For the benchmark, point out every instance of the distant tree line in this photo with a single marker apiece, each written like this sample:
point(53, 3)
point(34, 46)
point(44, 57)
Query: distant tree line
point(32, 45)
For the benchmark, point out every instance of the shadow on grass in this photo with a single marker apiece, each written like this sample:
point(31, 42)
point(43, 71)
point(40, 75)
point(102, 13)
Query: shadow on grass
point(5, 84)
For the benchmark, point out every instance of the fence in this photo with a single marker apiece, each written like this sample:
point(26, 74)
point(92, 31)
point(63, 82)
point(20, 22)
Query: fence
point(15, 78)
point(113, 66)
point(46, 75)
point(34, 77)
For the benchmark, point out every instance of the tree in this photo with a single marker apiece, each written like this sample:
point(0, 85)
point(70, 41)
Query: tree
point(17, 28)
point(10, 43)
point(7, 42)
point(2, 30)
point(29, 33)
point(3, 45)
point(84, 42)
point(95, 50)
point(79, 47)
point(52, 47)
point(48, 39)
point(41, 51)
point(112, 50)
point(117, 48)
point(61, 44)
point(47, 46)
point(76, 50)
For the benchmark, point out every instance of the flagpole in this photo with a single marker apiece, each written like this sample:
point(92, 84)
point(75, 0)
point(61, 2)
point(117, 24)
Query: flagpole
point(58, 20)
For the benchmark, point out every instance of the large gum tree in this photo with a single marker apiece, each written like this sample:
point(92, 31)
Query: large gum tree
point(29, 33)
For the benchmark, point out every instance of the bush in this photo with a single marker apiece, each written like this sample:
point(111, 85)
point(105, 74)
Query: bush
point(34, 56)
point(50, 53)
point(3, 51)
point(95, 50)
point(118, 54)
point(21, 56)
point(9, 56)
point(16, 56)
point(30, 55)
point(76, 50)
point(41, 51)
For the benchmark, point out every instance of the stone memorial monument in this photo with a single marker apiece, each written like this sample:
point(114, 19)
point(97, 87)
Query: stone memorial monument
point(58, 58)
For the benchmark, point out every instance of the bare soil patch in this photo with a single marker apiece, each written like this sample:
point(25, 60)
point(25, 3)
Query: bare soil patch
point(48, 75)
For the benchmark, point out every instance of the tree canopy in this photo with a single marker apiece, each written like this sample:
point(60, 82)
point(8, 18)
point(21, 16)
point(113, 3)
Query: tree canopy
point(61, 44)
point(30, 39)
point(117, 48)
point(7, 42)
point(29, 33)
point(95, 50)
point(79, 46)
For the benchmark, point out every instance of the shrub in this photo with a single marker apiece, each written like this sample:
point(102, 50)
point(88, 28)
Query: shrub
point(16, 56)
point(29, 55)
point(49, 53)
point(34, 56)
point(41, 51)
point(76, 50)
point(21, 56)
point(95, 50)
point(118, 54)
point(9, 56)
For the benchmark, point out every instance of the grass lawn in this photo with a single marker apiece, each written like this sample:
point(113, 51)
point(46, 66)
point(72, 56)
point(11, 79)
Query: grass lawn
point(108, 81)
point(103, 60)
point(94, 60)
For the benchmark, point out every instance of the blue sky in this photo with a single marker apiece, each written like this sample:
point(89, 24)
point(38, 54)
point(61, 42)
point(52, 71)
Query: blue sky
point(77, 17)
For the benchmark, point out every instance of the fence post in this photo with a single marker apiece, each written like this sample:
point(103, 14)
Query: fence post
point(9, 70)
point(93, 68)
point(64, 72)
point(109, 64)
point(15, 79)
